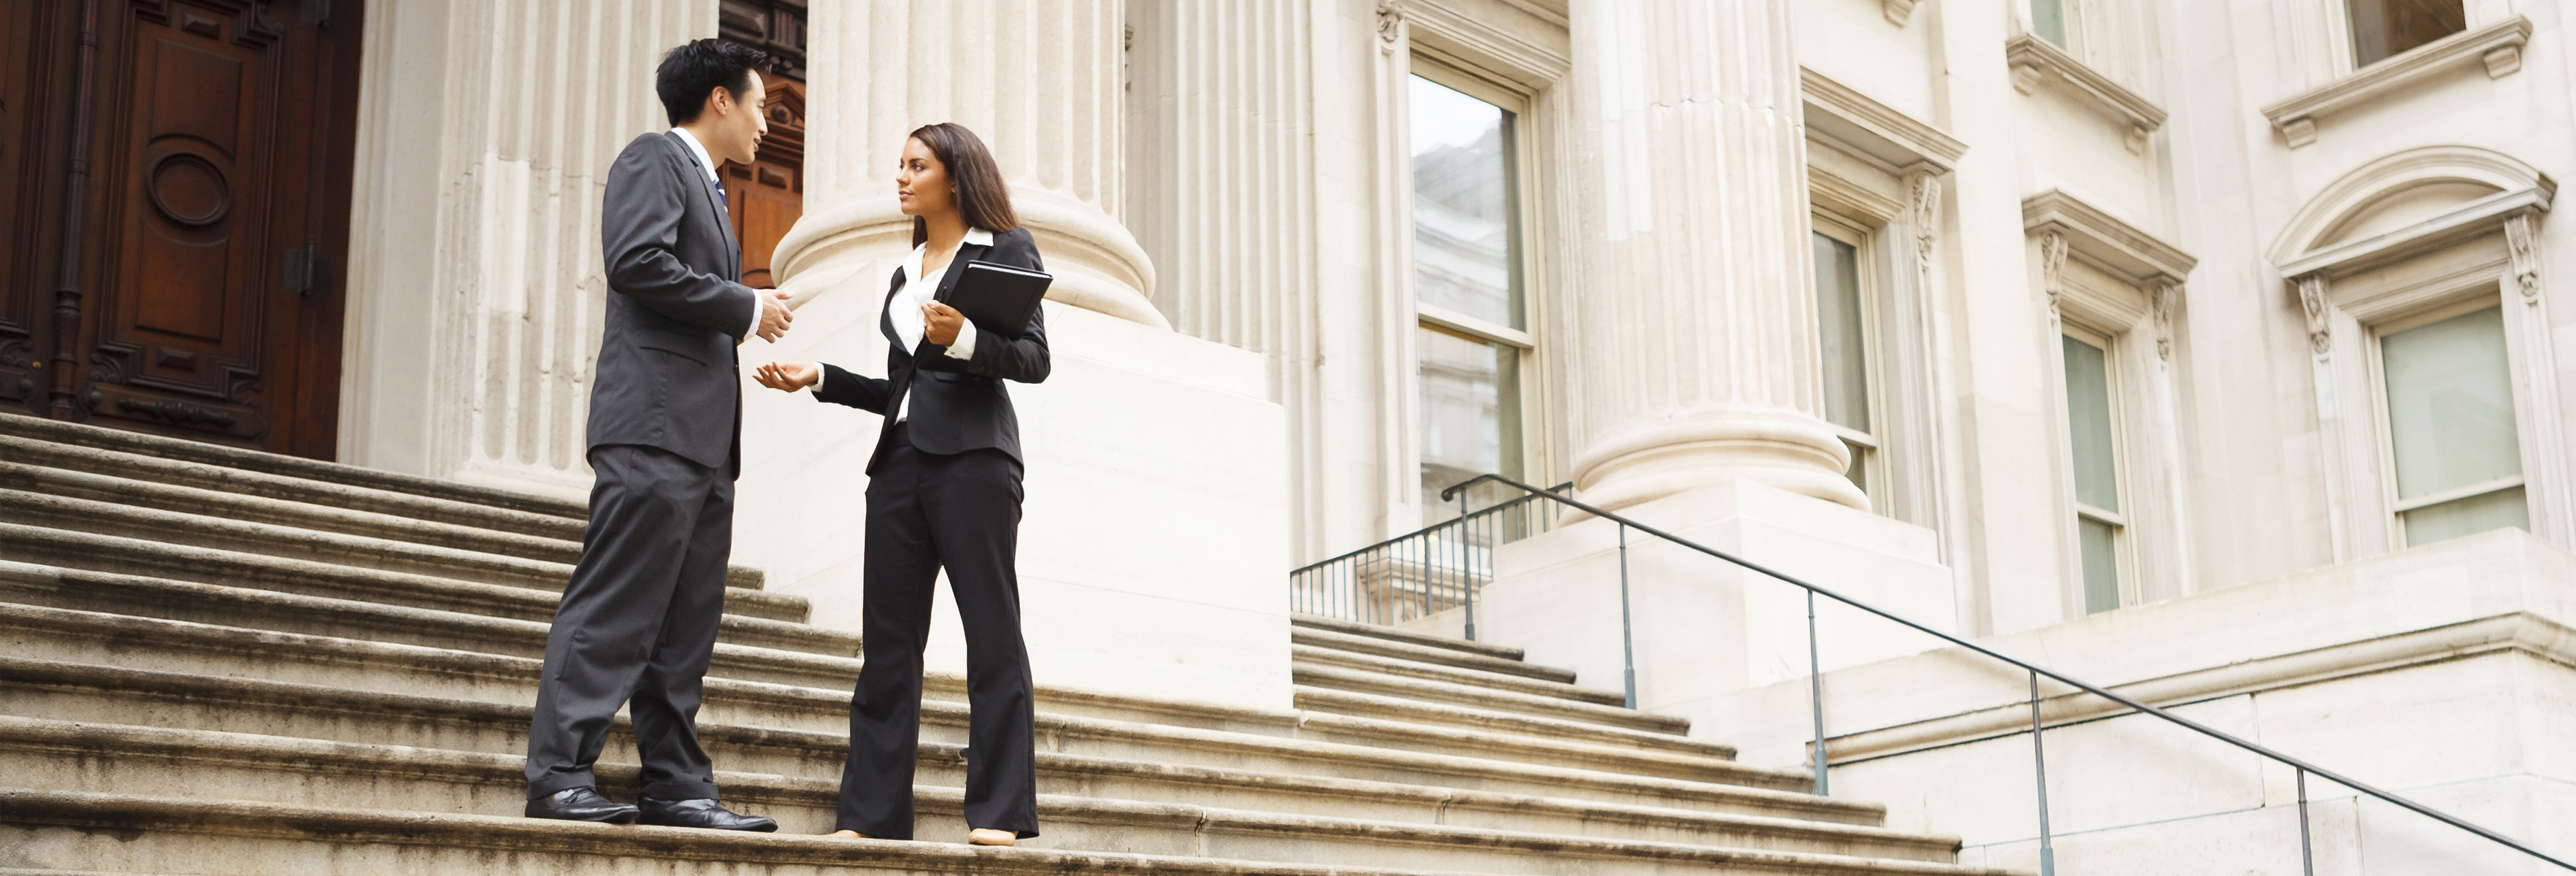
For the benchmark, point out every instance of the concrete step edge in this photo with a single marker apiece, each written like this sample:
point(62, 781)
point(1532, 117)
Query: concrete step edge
point(1313, 656)
point(273, 752)
point(1355, 628)
point(1474, 696)
point(130, 816)
point(175, 499)
point(1784, 787)
point(137, 556)
point(1367, 705)
point(456, 629)
point(290, 542)
point(1413, 653)
point(279, 464)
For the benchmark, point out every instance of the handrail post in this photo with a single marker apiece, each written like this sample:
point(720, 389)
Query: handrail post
point(2307, 855)
point(1627, 631)
point(1466, 566)
point(2039, 763)
point(1816, 691)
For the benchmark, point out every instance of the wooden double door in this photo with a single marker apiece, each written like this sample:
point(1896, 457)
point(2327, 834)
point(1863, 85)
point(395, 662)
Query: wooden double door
point(174, 203)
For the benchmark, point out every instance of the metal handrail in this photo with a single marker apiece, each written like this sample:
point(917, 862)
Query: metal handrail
point(1420, 573)
point(2036, 671)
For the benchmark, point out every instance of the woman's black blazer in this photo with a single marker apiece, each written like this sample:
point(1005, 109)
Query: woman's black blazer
point(957, 405)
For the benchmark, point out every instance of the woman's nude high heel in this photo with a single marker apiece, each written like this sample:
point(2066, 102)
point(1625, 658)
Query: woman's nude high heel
point(985, 836)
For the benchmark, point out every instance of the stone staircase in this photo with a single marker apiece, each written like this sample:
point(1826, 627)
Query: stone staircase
point(216, 661)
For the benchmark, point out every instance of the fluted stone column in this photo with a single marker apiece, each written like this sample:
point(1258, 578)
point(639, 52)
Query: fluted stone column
point(1694, 312)
point(1041, 81)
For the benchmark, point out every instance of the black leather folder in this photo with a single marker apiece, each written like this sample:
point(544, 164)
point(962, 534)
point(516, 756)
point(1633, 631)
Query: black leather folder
point(998, 298)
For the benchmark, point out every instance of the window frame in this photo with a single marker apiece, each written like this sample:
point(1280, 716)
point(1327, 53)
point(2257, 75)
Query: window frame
point(1525, 343)
point(1875, 469)
point(2458, 302)
point(2073, 14)
point(2115, 382)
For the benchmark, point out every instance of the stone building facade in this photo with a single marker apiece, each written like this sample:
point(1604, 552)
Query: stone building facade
point(2200, 348)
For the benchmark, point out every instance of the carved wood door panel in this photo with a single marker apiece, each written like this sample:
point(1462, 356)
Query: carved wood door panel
point(25, 295)
point(226, 132)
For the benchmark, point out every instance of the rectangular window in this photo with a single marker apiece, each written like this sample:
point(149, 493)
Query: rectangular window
point(2093, 447)
point(2382, 29)
point(2059, 22)
point(1842, 329)
point(1467, 287)
point(2451, 427)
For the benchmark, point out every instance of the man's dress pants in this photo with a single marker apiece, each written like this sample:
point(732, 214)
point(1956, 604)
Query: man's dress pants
point(637, 624)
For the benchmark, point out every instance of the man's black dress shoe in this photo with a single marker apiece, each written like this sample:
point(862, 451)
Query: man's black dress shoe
point(702, 813)
point(581, 804)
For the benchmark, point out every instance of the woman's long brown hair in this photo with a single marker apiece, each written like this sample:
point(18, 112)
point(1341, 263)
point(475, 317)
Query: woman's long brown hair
point(982, 199)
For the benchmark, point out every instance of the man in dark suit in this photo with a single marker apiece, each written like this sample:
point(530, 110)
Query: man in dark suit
point(638, 621)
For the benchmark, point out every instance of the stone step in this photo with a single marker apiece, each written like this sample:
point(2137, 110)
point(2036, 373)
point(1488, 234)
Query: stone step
point(179, 450)
point(226, 766)
point(736, 690)
point(1423, 654)
point(771, 650)
point(503, 598)
point(281, 512)
point(245, 482)
point(289, 542)
point(120, 694)
point(132, 833)
point(1354, 628)
point(1309, 655)
point(1369, 681)
point(1339, 702)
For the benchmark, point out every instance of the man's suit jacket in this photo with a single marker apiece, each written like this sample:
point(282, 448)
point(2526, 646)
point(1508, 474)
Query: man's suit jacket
point(667, 376)
point(957, 404)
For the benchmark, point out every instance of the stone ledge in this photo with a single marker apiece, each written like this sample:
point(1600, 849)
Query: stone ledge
point(2033, 58)
point(2498, 45)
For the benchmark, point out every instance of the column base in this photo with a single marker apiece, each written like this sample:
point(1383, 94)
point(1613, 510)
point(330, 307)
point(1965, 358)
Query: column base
point(1646, 462)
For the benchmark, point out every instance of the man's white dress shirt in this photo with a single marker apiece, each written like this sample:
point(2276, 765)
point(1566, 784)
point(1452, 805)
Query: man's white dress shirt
point(709, 165)
point(905, 310)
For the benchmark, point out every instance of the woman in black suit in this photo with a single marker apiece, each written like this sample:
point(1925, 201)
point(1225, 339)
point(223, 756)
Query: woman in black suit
point(943, 491)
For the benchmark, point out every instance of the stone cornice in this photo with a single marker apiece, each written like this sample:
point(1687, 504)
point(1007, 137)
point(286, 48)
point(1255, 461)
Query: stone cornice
point(1884, 132)
point(2523, 633)
point(2031, 57)
point(2499, 45)
point(1534, 64)
point(2481, 216)
point(1897, 11)
point(2105, 240)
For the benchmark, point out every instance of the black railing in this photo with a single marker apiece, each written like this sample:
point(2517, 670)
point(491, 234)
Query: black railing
point(1422, 574)
point(1815, 674)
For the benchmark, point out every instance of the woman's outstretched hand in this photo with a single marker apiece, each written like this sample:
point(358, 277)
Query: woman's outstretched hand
point(788, 376)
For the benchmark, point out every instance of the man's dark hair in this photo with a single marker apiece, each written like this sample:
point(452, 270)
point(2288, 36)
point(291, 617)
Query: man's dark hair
point(700, 66)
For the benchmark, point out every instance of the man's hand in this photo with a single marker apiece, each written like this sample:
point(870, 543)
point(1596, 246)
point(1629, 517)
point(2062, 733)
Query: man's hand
point(774, 315)
point(788, 376)
point(940, 322)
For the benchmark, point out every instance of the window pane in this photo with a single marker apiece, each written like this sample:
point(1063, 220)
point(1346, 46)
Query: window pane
point(2450, 404)
point(2048, 19)
point(2382, 28)
point(1843, 337)
point(2100, 545)
point(1463, 239)
point(1470, 414)
point(2088, 425)
point(2469, 516)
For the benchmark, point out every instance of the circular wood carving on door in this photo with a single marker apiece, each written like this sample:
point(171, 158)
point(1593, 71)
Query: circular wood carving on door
point(188, 190)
